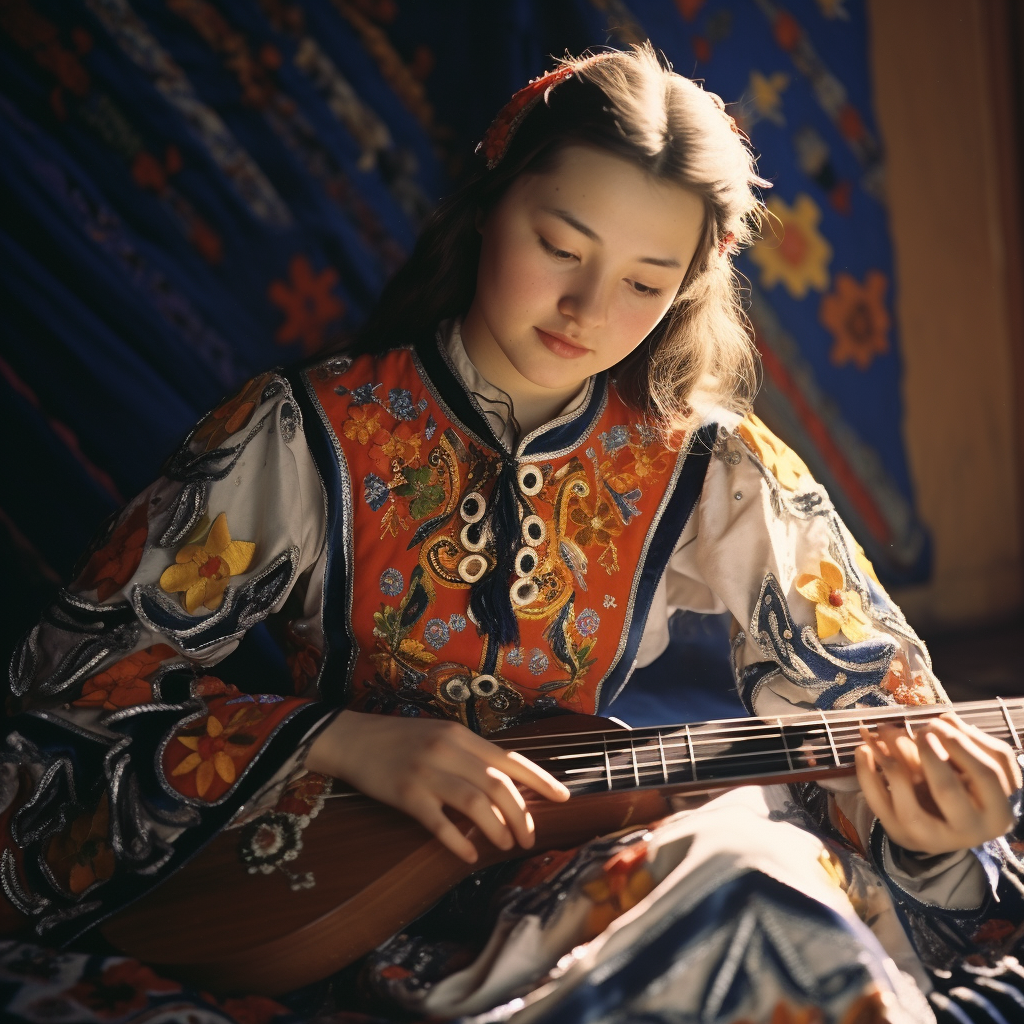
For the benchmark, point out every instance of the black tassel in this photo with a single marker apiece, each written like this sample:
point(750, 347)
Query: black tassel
point(491, 599)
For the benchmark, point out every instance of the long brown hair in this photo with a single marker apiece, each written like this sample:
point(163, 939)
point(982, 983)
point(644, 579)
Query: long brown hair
point(631, 105)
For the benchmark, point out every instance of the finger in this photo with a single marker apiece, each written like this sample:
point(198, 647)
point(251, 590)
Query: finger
point(509, 801)
point(476, 804)
point(978, 765)
point(873, 786)
point(911, 825)
point(516, 767)
point(901, 746)
point(429, 813)
point(1002, 751)
point(947, 789)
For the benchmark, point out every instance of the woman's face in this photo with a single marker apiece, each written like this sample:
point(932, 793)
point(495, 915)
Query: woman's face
point(577, 266)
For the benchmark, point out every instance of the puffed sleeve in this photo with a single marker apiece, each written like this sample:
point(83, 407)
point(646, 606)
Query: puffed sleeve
point(816, 630)
point(122, 754)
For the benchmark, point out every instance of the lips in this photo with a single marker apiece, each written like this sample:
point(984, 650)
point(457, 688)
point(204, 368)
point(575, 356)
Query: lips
point(560, 345)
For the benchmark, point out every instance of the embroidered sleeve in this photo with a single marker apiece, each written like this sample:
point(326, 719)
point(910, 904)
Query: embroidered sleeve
point(123, 754)
point(815, 629)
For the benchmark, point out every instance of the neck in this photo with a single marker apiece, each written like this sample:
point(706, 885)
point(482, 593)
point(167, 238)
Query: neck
point(533, 405)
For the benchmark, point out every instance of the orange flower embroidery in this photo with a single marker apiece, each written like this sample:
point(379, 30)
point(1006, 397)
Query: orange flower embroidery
point(202, 571)
point(783, 463)
point(215, 747)
point(308, 303)
point(597, 524)
point(114, 564)
point(905, 687)
point(126, 682)
point(232, 416)
point(401, 446)
point(624, 881)
point(81, 855)
point(856, 315)
point(362, 424)
point(835, 607)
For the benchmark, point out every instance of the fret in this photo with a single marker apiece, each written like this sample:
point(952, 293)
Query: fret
point(607, 761)
point(693, 760)
point(636, 768)
point(785, 745)
point(661, 751)
point(1009, 723)
point(831, 740)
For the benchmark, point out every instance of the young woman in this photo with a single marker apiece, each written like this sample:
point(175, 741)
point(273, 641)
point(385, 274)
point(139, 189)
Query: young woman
point(481, 517)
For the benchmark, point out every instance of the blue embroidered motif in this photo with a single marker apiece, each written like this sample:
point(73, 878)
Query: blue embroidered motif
point(431, 427)
point(614, 439)
point(375, 491)
point(538, 661)
point(457, 622)
point(362, 395)
point(841, 675)
point(435, 632)
point(515, 656)
point(587, 622)
point(392, 582)
point(400, 404)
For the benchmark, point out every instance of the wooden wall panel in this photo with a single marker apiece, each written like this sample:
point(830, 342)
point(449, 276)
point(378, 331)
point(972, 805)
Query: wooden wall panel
point(957, 250)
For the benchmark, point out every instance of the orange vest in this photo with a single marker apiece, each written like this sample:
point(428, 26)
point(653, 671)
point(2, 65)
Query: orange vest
point(409, 464)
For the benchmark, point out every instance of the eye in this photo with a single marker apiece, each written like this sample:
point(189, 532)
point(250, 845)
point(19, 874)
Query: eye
point(559, 254)
point(644, 290)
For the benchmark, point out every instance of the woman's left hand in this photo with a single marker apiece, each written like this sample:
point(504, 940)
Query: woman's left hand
point(946, 789)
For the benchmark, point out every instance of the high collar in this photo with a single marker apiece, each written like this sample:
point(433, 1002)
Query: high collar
point(487, 419)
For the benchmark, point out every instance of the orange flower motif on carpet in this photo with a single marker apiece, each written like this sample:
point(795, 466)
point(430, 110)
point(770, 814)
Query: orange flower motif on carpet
point(308, 303)
point(801, 259)
point(206, 757)
point(835, 608)
point(231, 416)
point(856, 315)
point(126, 682)
point(114, 564)
point(202, 571)
point(81, 855)
point(783, 463)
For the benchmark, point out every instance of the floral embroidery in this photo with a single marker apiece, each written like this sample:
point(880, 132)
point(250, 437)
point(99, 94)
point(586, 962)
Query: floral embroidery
point(614, 438)
point(126, 682)
point(624, 881)
point(835, 607)
point(401, 445)
point(362, 424)
point(435, 632)
point(392, 582)
point(114, 564)
point(375, 491)
point(457, 622)
point(308, 303)
point(783, 463)
point(800, 260)
point(515, 656)
point(401, 405)
point(905, 686)
point(856, 315)
point(538, 662)
point(231, 416)
point(81, 855)
point(609, 601)
point(303, 660)
point(205, 756)
point(121, 989)
point(420, 490)
point(202, 571)
point(587, 622)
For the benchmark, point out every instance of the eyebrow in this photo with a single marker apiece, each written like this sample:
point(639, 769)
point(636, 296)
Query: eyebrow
point(593, 235)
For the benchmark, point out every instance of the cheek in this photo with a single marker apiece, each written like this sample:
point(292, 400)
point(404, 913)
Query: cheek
point(635, 320)
point(513, 280)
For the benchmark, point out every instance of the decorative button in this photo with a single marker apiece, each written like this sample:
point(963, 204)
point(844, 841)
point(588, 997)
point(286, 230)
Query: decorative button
point(531, 480)
point(526, 561)
point(534, 530)
point(484, 685)
point(472, 568)
point(456, 690)
point(473, 507)
point(524, 592)
point(473, 537)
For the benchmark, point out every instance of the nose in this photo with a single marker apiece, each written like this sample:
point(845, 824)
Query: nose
point(585, 301)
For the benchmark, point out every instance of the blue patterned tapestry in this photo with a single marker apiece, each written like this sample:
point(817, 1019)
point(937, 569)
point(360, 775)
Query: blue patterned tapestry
point(195, 191)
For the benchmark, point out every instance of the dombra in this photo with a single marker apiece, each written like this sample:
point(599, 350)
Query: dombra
point(220, 927)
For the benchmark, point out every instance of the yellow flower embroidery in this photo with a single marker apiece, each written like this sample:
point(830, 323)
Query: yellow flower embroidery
point(800, 261)
point(203, 570)
point(783, 463)
point(835, 607)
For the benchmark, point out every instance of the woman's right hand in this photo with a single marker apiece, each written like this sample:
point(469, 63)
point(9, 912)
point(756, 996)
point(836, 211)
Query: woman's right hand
point(422, 765)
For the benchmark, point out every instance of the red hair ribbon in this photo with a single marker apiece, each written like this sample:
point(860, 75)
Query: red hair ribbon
point(727, 244)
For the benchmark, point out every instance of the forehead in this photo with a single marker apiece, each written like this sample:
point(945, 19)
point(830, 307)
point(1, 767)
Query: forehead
point(618, 200)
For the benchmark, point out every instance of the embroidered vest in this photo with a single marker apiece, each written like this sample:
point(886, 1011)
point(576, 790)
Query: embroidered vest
point(410, 465)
